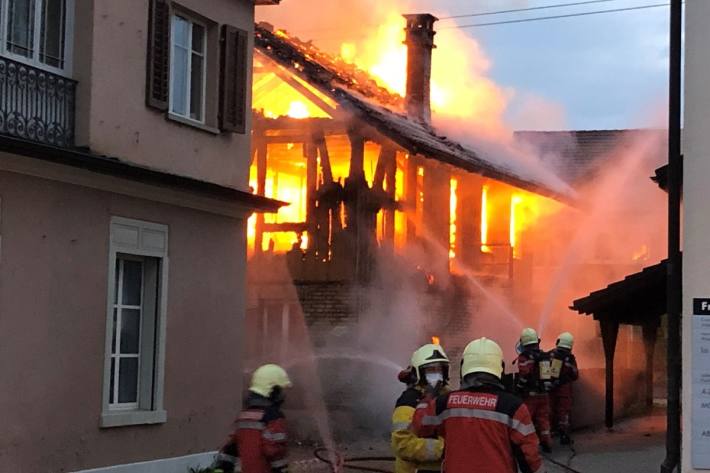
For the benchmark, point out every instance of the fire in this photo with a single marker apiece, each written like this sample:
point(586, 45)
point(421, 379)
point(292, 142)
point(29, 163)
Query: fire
point(514, 202)
point(435, 340)
point(459, 86)
point(484, 220)
point(453, 203)
point(298, 109)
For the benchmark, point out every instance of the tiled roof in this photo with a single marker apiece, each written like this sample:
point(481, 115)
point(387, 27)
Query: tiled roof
point(357, 92)
point(578, 155)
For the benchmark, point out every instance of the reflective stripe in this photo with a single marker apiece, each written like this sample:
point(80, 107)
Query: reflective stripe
point(279, 463)
point(541, 469)
point(432, 420)
point(422, 405)
point(400, 426)
point(250, 415)
point(430, 446)
point(246, 424)
point(275, 436)
point(544, 432)
point(237, 466)
point(526, 363)
point(524, 429)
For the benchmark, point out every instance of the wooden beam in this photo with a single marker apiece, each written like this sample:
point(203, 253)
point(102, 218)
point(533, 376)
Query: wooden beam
point(298, 227)
point(411, 198)
point(650, 332)
point(261, 163)
point(310, 150)
point(610, 332)
point(286, 76)
point(357, 157)
point(319, 140)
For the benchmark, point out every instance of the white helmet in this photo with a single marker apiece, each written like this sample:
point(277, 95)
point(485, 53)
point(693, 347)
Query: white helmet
point(426, 355)
point(482, 356)
point(529, 337)
point(565, 340)
point(268, 377)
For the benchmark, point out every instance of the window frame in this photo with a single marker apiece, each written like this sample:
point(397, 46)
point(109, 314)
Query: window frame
point(34, 61)
point(192, 20)
point(135, 238)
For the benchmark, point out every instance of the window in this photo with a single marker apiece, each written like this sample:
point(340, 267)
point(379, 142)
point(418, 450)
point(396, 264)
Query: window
point(184, 48)
point(187, 75)
point(136, 324)
point(37, 31)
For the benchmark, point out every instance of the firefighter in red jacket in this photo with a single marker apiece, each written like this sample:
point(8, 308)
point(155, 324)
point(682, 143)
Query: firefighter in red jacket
point(258, 443)
point(533, 382)
point(563, 373)
point(485, 428)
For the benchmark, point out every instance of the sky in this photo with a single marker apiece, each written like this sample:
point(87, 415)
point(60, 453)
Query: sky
point(606, 71)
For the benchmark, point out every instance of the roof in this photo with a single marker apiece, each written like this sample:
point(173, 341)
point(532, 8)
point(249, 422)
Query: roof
point(358, 93)
point(577, 155)
point(83, 159)
point(636, 299)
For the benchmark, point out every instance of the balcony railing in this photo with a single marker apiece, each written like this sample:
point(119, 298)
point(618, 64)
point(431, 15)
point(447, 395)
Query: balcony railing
point(35, 104)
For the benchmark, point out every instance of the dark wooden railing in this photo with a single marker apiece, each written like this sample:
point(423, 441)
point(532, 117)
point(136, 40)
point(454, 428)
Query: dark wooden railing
point(36, 104)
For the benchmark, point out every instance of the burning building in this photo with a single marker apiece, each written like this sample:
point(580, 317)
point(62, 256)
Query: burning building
point(368, 177)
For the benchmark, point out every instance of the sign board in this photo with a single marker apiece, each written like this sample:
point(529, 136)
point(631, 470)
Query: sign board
point(700, 447)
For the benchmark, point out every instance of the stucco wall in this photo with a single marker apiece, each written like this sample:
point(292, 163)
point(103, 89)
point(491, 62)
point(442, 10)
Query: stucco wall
point(696, 170)
point(53, 286)
point(113, 118)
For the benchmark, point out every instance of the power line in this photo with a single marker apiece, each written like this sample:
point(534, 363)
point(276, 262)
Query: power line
point(501, 12)
point(556, 17)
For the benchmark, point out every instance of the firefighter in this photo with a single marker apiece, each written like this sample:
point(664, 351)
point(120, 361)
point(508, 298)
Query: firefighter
point(533, 382)
point(563, 373)
point(485, 428)
point(258, 443)
point(426, 377)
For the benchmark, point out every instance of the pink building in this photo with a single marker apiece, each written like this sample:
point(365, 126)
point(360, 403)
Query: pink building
point(124, 162)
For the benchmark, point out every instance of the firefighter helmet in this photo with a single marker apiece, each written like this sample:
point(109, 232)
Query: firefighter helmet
point(268, 377)
point(529, 337)
point(482, 356)
point(565, 340)
point(426, 355)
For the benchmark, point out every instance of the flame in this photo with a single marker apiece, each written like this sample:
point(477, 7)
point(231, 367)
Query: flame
point(298, 109)
point(515, 200)
point(348, 52)
point(435, 340)
point(453, 202)
point(484, 220)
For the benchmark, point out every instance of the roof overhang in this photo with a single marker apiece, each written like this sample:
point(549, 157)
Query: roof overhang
point(266, 2)
point(84, 160)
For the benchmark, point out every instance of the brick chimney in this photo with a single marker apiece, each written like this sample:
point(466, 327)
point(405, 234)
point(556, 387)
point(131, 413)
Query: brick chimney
point(420, 41)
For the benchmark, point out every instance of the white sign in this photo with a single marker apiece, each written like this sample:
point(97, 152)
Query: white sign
point(700, 447)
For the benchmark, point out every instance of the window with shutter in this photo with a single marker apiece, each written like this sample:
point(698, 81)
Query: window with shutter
point(233, 86)
point(158, 87)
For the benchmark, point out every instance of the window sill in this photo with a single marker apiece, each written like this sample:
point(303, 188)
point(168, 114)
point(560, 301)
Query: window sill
point(186, 121)
point(124, 418)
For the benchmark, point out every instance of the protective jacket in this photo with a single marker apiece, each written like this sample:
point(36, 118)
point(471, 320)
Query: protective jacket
point(533, 385)
point(564, 372)
point(258, 443)
point(411, 452)
point(564, 369)
point(485, 429)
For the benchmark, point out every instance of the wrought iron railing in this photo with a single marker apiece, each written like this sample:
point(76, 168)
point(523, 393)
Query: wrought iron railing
point(35, 104)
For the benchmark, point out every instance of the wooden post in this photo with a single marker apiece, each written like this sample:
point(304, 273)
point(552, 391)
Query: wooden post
point(437, 193)
point(650, 332)
point(610, 332)
point(310, 151)
point(411, 198)
point(390, 180)
point(261, 163)
point(468, 219)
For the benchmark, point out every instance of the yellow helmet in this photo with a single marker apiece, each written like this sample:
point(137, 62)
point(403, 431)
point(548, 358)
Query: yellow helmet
point(565, 340)
point(267, 377)
point(482, 356)
point(426, 355)
point(528, 337)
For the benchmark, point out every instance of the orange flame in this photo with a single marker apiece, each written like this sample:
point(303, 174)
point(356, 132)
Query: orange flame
point(435, 340)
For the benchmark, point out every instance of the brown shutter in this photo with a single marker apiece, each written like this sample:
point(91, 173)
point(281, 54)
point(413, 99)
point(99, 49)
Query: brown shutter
point(233, 84)
point(158, 80)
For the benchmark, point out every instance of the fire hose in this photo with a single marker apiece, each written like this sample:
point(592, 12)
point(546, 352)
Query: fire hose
point(337, 462)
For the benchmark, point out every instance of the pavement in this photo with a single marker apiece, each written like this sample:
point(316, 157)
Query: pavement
point(635, 445)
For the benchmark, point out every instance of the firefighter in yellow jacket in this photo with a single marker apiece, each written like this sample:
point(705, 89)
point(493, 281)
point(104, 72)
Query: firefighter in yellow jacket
point(426, 378)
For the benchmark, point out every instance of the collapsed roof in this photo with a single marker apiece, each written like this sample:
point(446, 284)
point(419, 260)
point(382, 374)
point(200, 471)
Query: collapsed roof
point(357, 93)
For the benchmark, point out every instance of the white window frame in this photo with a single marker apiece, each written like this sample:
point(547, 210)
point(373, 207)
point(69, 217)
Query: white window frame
point(203, 102)
point(129, 237)
point(34, 61)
